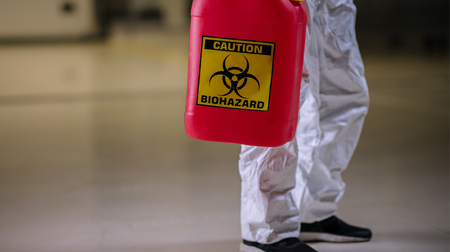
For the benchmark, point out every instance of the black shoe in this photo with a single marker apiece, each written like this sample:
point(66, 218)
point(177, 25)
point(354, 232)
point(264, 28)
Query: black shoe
point(333, 230)
point(285, 245)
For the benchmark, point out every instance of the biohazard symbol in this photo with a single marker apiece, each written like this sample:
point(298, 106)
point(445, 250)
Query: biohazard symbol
point(234, 78)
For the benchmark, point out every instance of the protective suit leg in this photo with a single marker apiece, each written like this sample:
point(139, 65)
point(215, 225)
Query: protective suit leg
point(302, 177)
point(336, 103)
point(268, 210)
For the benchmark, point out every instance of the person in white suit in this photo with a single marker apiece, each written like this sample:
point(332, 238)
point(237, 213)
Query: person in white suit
point(290, 193)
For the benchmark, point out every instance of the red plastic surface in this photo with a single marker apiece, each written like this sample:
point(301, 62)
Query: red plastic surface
point(276, 21)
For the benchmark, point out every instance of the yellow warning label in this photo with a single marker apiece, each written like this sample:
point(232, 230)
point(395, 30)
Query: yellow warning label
point(235, 74)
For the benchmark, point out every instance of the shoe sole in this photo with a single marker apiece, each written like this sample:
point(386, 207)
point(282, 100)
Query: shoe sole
point(246, 248)
point(324, 237)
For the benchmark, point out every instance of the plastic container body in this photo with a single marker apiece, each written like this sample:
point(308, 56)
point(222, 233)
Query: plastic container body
point(245, 68)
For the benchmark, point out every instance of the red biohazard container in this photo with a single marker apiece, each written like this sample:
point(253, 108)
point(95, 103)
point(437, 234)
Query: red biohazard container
point(245, 68)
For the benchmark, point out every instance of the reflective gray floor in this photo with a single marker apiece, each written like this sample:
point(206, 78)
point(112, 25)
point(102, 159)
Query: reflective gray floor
point(94, 157)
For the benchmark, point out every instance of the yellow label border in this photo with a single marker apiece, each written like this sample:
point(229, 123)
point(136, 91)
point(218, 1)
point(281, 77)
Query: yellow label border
point(272, 45)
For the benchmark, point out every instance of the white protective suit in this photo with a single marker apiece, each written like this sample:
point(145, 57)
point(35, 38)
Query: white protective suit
point(301, 180)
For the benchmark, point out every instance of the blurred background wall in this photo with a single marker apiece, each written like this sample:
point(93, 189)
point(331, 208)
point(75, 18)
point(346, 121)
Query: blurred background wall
point(25, 19)
point(411, 25)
